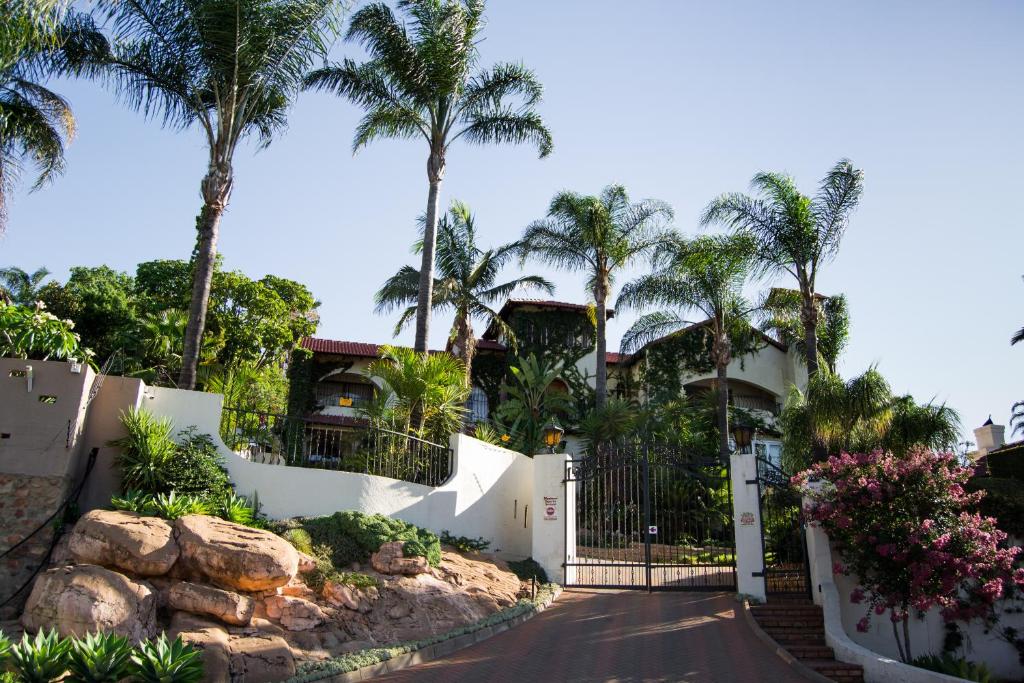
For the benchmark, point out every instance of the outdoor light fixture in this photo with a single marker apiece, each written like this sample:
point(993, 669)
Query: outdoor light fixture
point(742, 435)
point(552, 434)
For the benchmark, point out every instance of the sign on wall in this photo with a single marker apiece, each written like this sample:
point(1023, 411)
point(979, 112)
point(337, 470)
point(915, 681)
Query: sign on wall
point(747, 519)
point(550, 508)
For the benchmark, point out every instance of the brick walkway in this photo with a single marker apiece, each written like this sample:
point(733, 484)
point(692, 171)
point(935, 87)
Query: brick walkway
point(617, 636)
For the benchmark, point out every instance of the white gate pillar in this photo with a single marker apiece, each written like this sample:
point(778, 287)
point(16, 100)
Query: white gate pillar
point(747, 526)
point(552, 513)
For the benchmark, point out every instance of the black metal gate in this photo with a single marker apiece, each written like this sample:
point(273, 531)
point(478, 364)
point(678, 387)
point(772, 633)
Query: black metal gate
point(650, 517)
point(786, 570)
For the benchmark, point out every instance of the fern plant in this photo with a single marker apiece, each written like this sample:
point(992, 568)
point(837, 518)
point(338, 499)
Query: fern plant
point(166, 661)
point(99, 658)
point(41, 659)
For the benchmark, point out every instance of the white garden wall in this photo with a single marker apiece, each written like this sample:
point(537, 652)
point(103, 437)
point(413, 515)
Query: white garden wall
point(486, 496)
point(876, 650)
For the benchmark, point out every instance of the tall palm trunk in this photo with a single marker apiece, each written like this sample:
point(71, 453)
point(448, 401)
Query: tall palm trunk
point(465, 340)
point(601, 389)
point(809, 319)
point(722, 385)
point(435, 173)
point(216, 189)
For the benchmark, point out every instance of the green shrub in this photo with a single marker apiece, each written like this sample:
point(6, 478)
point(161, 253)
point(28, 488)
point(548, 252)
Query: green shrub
point(166, 662)
point(464, 544)
point(528, 569)
point(1004, 500)
point(197, 467)
point(41, 659)
point(99, 658)
point(352, 536)
point(1006, 464)
point(954, 666)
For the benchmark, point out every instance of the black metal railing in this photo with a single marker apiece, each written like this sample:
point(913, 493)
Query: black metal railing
point(757, 403)
point(786, 568)
point(275, 439)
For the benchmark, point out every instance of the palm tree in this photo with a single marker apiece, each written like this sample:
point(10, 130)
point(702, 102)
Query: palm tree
point(707, 275)
point(37, 40)
point(598, 235)
point(859, 415)
point(465, 283)
point(229, 67)
point(795, 233)
point(781, 317)
point(20, 287)
point(422, 81)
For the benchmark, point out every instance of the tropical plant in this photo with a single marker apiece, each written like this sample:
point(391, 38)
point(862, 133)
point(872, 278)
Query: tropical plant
point(166, 661)
point(488, 433)
point(465, 283)
point(1017, 417)
point(705, 274)
point(99, 658)
point(781, 318)
point(612, 422)
point(422, 80)
point(146, 452)
point(20, 287)
point(429, 390)
point(41, 659)
point(599, 236)
point(172, 506)
point(795, 234)
point(530, 402)
point(237, 509)
point(32, 332)
point(954, 666)
point(160, 337)
point(901, 525)
point(859, 415)
point(231, 67)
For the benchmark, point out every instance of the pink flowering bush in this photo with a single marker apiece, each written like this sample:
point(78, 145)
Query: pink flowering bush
point(901, 525)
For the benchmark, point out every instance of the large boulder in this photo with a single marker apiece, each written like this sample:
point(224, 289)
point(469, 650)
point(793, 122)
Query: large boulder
point(261, 658)
point(86, 598)
point(234, 556)
point(124, 540)
point(209, 637)
point(295, 614)
point(231, 608)
point(390, 559)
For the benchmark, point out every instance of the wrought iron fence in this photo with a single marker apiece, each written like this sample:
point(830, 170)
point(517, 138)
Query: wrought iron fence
point(302, 442)
point(786, 568)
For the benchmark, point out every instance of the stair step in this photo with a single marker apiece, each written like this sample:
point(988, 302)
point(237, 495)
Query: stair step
point(811, 651)
point(837, 671)
point(795, 622)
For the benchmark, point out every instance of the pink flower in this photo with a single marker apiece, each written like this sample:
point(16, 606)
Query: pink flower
point(857, 596)
point(863, 625)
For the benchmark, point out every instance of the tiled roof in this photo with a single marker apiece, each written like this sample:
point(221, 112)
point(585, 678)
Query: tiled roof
point(341, 348)
point(613, 358)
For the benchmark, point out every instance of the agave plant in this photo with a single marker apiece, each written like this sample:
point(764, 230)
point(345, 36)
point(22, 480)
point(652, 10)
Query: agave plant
point(164, 661)
point(133, 501)
point(237, 509)
point(172, 506)
point(5, 647)
point(99, 658)
point(41, 659)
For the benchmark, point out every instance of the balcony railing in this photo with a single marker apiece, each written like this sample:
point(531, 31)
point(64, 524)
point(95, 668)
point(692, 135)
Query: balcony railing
point(757, 403)
point(300, 442)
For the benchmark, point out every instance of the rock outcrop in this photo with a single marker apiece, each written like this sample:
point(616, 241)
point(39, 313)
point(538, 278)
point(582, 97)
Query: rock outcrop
point(84, 598)
point(391, 559)
point(229, 607)
point(128, 541)
point(295, 614)
point(234, 556)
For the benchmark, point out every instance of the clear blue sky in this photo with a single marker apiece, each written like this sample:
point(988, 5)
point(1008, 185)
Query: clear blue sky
point(676, 100)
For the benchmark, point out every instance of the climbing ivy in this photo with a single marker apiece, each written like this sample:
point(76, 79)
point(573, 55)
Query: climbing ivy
point(304, 371)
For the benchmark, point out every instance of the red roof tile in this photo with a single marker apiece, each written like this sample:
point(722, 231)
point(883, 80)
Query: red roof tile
point(341, 348)
point(613, 358)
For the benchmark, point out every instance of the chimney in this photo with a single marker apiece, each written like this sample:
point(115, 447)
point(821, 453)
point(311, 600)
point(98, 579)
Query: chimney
point(989, 437)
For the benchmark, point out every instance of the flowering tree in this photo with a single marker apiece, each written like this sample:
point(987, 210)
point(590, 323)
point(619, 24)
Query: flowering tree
point(901, 525)
point(31, 332)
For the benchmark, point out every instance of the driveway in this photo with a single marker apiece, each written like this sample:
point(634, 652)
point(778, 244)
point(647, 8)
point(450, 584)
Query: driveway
point(617, 636)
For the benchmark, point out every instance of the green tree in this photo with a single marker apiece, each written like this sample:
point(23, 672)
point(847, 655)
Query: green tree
point(706, 275)
point(599, 236)
point(20, 287)
point(531, 401)
point(781, 317)
point(229, 67)
point(38, 39)
point(859, 415)
point(465, 283)
point(101, 302)
point(795, 234)
point(422, 80)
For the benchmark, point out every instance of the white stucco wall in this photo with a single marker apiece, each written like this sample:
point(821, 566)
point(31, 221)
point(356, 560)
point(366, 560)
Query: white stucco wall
point(486, 496)
point(876, 650)
point(551, 531)
point(747, 526)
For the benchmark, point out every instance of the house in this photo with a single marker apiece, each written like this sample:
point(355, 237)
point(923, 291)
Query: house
point(332, 385)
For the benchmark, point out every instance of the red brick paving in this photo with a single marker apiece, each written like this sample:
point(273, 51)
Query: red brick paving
point(617, 636)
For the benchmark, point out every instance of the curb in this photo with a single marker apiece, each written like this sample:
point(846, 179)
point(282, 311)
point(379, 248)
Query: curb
point(794, 663)
point(442, 649)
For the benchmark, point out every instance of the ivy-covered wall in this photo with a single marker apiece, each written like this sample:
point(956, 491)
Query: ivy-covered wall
point(303, 372)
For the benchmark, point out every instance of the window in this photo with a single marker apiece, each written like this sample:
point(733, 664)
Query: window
point(478, 406)
point(770, 451)
point(337, 393)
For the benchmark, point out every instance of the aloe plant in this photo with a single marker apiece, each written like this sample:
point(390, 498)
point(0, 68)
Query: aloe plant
point(41, 659)
point(166, 661)
point(99, 658)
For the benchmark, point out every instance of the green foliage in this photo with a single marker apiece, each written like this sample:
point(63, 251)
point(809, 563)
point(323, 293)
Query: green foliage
point(528, 569)
point(20, 287)
point(353, 536)
point(165, 661)
point(37, 334)
point(486, 432)
point(464, 544)
point(197, 467)
point(41, 659)
point(237, 509)
point(1004, 500)
point(99, 658)
point(612, 422)
point(167, 505)
point(530, 402)
point(780, 316)
point(101, 302)
point(955, 666)
point(1007, 465)
point(146, 454)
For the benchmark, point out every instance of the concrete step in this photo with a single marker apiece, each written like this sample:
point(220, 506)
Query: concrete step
point(811, 651)
point(840, 672)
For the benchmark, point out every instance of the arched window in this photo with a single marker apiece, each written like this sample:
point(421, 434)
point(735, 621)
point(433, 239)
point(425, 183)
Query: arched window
point(478, 405)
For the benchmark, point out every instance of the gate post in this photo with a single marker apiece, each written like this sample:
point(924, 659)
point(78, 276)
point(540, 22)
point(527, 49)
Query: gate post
point(553, 516)
point(746, 508)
